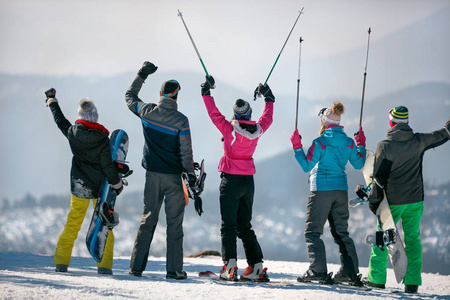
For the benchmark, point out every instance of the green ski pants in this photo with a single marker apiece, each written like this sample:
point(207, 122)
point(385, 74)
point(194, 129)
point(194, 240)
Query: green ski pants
point(411, 215)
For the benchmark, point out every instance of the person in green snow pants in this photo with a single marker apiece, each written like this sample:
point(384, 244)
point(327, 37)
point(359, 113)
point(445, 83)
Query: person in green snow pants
point(397, 175)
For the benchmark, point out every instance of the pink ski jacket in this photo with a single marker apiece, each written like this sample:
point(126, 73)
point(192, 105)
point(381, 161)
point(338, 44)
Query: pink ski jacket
point(240, 138)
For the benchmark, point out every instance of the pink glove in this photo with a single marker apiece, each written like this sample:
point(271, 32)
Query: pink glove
point(360, 137)
point(296, 140)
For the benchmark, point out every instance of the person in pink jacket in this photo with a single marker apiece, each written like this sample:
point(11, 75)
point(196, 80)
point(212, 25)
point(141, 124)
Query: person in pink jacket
point(237, 188)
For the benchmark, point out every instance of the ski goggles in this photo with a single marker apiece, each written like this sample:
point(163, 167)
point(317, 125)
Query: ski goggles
point(242, 117)
point(320, 114)
point(170, 95)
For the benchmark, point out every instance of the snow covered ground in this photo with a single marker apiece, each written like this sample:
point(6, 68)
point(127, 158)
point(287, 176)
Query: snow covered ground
point(31, 276)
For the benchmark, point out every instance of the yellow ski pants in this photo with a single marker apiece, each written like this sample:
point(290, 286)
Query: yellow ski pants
point(77, 213)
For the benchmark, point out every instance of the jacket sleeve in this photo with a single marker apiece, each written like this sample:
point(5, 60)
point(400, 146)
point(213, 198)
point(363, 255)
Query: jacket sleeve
point(357, 156)
point(217, 118)
point(308, 161)
point(381, 172)
point(435, 138)
point(131, 96)
point(60, 120)
point(267, 117)
point(107, 165)
point(186, 153)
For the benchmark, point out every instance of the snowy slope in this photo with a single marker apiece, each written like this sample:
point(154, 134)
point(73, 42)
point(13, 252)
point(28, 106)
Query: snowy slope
point(30, 276)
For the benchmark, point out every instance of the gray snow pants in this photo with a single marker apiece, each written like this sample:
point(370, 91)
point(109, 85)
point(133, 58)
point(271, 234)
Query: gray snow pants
point(331, 205)
point(158, 188)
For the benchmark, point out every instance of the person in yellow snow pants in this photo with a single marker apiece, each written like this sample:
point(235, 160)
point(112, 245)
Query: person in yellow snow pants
point(91, 164)
point(77, 213)
point(411, 214)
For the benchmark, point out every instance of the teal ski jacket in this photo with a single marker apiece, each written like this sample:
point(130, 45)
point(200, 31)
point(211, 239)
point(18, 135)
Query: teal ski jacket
point(327, 158)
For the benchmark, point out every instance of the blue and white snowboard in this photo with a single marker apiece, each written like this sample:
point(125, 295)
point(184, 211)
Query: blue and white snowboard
point(98, 230)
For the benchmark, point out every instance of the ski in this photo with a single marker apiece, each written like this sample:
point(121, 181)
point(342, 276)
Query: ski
point(328, 280)
point(356, 284)
point(215, 277)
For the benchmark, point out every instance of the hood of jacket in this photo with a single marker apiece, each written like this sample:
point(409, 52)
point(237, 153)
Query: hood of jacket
point(248, 129)
point(400, 133)
point(167, 103)
point(334, 135)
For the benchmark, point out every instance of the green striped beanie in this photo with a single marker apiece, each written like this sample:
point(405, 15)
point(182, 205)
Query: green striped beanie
point(399, 114)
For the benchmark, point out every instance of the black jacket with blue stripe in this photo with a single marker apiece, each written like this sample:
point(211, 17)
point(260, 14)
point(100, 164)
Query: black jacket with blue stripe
point(168, 146)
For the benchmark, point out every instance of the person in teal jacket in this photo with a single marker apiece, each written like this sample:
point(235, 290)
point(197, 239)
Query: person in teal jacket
point(326, 159)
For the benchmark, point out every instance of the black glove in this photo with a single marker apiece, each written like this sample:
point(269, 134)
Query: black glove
point(147, 69)
point(265, 91)
point(198, 205)
point(50, 93)
point(207, 85)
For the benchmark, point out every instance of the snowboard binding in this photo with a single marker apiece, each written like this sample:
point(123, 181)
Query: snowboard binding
point(122, 168)
point(363, 195)
point(381, 238)
point(108, 216)
point(199, 183)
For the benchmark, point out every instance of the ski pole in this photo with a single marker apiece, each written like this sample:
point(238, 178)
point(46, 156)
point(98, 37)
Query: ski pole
point(298, 81)
point(364, 82)
point(299, 14)
point(192, 40)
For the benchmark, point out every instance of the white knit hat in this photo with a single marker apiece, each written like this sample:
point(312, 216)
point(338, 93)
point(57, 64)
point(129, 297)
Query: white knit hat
point(332, 116)
point(87, 110)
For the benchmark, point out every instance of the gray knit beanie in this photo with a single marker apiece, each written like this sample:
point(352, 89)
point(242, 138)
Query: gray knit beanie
point(242, 110)
point(87, 110)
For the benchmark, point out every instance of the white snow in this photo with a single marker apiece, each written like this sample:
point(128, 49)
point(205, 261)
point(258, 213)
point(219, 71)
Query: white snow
point(31, 276)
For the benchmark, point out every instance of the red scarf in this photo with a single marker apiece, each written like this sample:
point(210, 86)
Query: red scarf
point(91, 125)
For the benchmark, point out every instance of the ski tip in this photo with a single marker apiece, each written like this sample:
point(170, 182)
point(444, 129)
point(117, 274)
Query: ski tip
point(206, 274)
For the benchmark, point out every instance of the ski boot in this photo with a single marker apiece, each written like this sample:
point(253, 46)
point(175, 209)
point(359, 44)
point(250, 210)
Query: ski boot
point(178, 275)
point(108, 216)
point(342, 277)
point(255, 273)
point(104, 271)
point(411, 289)
point(229, 270)
point(366, 282)
point(310, 275)
point(61, 268)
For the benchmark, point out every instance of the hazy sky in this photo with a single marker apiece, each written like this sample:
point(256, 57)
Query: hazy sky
point(238, 40)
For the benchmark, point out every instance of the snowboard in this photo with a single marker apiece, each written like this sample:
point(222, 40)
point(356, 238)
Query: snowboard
point(362, 191)
point(392, 240)
point(99, 226)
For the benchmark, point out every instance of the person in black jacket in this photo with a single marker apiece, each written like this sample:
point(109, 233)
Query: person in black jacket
point(167, 154)
point(91, 162)
point(397, 173)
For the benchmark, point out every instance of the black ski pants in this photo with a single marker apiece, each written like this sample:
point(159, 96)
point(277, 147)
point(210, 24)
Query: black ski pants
point(331, 206)
point(236, 203)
